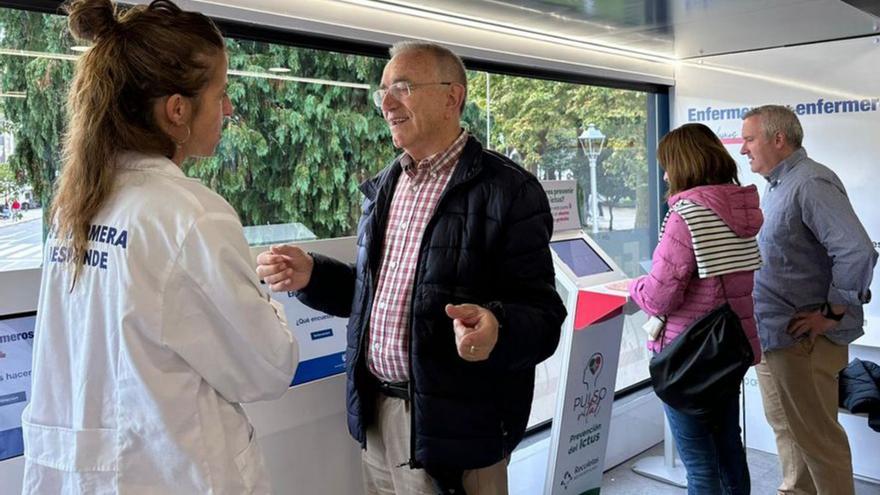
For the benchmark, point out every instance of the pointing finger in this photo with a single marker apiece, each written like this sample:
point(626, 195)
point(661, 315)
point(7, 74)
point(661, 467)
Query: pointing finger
point(463, 311)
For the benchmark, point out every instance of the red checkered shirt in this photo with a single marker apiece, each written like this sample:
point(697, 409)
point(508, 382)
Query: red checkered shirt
point(415, 198)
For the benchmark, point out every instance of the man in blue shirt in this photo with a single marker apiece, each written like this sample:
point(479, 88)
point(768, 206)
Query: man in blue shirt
point(818, 265)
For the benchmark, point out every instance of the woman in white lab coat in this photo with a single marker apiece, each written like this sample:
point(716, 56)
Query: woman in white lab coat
point(152, 326)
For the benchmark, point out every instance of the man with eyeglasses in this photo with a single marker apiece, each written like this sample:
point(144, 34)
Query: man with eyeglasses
point(451, 303)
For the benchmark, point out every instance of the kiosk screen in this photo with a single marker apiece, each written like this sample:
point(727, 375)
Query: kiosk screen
point(580, 257)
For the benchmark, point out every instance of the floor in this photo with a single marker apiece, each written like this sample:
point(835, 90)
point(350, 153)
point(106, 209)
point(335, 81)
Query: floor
point(763, 467)
point(528, 469)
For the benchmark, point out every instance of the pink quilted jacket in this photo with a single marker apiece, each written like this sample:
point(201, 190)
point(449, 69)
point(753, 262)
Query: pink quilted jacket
point(673, 288)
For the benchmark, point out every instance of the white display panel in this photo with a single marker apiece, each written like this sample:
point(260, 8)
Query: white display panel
point(321, 337)
point(16, 349)
point(579, 436)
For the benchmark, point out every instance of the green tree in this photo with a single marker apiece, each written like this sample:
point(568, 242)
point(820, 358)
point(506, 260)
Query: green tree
point(9, 184)
point(541, 119)
point(294, 151)
point(37, 121)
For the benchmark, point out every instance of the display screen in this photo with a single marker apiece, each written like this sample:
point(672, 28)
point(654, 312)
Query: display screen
point(580, 257)
point(16, 349)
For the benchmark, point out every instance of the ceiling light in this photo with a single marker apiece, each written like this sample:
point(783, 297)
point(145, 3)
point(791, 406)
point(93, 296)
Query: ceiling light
point(29, 53)
point(306, 80)
point(80, 48)
point(232, 72)
point(13, 94)
point(279, 70)
point(429, 13)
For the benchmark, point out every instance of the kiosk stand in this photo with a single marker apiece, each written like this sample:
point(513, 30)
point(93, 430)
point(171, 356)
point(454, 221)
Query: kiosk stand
point(665, 468)
point(590, 348)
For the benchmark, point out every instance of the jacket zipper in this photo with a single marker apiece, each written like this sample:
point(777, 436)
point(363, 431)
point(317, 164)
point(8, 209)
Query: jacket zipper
point(372, 275)
point(413, 464)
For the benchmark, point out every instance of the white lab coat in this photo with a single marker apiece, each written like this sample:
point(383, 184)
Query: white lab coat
point(139, 370)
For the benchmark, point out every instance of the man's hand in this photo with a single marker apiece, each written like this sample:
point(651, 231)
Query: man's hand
point(811, 323)
point(285, 268)
point(476, 330)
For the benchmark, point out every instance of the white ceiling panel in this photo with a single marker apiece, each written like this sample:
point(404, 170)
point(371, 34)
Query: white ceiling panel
point(629, 39)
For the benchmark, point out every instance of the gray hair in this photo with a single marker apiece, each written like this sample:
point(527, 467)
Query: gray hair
point(449, 64)
point(779, 119)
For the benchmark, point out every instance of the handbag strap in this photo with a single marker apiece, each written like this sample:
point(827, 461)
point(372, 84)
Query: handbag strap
point(723, 289)
point(662, 336)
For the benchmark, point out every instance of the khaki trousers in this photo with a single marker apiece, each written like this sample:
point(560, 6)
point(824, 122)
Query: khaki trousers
point(385, 470)
point(799, 389)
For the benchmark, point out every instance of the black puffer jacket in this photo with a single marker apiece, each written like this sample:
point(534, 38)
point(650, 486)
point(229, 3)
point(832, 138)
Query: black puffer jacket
point(486, 242)
point(860, 390)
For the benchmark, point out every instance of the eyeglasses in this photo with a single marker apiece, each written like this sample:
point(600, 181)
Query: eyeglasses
point(400, 89)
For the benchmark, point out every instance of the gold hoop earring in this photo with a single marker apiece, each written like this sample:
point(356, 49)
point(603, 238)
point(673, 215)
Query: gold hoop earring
point(184, 140)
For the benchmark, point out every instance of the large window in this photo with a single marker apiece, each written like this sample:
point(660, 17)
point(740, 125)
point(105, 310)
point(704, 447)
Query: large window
point(305, 134)
point(537, 122)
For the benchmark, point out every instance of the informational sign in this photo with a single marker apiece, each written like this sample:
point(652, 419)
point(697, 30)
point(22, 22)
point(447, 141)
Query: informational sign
point(321, 339)
point(579, 435)
point(16, 350)
point(562, 195)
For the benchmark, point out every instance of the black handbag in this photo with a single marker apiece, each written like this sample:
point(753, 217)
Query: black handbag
point(704, 364)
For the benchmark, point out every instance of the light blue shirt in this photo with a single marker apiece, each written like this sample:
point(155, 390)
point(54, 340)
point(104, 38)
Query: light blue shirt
point(815, 250)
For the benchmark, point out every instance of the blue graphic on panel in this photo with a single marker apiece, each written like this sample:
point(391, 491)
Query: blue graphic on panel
point(322, 334)
point(321, 367)
point(11, 443)
point(8, 400)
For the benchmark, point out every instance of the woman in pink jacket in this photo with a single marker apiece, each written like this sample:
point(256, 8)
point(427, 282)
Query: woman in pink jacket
point(706, 257)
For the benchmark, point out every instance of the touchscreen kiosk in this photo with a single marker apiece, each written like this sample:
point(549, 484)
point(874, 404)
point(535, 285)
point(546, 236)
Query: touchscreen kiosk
point(577, 382)
point(580, 262)
point(578, 256)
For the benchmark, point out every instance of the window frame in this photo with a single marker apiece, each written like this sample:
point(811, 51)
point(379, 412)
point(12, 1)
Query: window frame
point(657, 102)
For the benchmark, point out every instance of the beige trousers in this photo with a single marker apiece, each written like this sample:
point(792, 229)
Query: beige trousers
point(799, 389)
point(384, 461)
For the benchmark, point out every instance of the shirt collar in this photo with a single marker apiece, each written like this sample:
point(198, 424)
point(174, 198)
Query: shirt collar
point(785, 165)
point(135, 160)
point(437, 162)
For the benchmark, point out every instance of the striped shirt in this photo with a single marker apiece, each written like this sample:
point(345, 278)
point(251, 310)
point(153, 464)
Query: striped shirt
point(717, 248)
point(415, 198)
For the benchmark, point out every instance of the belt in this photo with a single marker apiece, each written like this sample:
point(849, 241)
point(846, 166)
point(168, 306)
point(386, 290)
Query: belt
point(398, 390)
